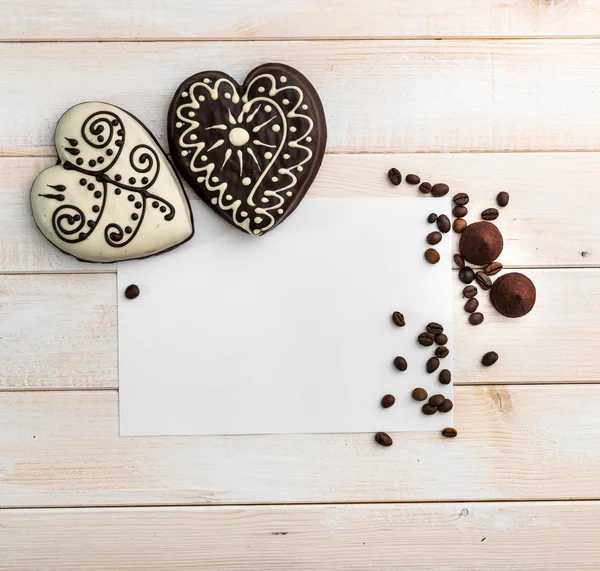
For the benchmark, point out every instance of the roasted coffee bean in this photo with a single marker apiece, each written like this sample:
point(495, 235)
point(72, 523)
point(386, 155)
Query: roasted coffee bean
point(442, 352)
point(476, 318)
point(395, 177)
point(484, 281)
point(432, 256)
point(425, 187)
point(466, 275)
point(493, 268)
point(446, 406)
point(459, 261)
point(441, 339)
point(449, 432)
point(132, 291)
point(387, 401)
point(445, 377)
point(383, 439)
point(502, 199)
point(471, 305)
point(443, 223)
point(461, 199)
point(432, 365)
point(434, 238)
point(436, 400)
point(489, 358)
point(460, 211)
point(419, 394)
point(432, 218)
point(459, 225)
point(434, 328)
point(470, 291)
point(400, 363)
point(412, 179)
point(439, 189)
point(398, 319)
point(426, 339)
point(490, 214)
point(428, 409)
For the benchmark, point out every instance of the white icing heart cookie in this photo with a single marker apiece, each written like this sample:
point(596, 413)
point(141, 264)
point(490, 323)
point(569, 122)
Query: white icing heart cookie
point(114, 194)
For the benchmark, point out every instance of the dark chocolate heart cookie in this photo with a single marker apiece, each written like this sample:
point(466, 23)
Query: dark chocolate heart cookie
point(250, 152)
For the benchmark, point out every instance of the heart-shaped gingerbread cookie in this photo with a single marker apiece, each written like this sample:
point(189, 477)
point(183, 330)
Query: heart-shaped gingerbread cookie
point(114, 194)
point(250, 152)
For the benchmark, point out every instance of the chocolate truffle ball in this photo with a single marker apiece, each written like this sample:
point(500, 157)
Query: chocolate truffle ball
point(481, 243)
point(513, 295)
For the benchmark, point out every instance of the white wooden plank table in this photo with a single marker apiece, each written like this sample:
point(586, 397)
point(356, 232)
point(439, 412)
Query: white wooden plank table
point(485, 95)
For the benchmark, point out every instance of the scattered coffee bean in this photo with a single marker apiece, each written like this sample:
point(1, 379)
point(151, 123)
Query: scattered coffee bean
point(471, 305)
point(425, 187)
point(132, 291)
point(434, 238)
point(493, 268)
point(432, 365)
point(502, 199)
point(476, 318)
point(443, 223)
point(436, 400)
point(439, 189)
point(449, 432)
point(442, 352)
point(441, 339)
point(432, 218)
point(426, 339)
point(484, 281)
point(470, 291)
point(432, 256)
point(387, 401)
point(400, 363)
point(459, 225)
point(398, 319)
point(412, 179)
point(428, 409)
point(395, 177)
point(466, 275)
point(383, 439)
point(490, 214)
point(434, 328)
point(459, 261)
point(446, 406)
point(419, 394)
point(445, 377)
point(489, 358)
point(461, 199)
point(460, 211)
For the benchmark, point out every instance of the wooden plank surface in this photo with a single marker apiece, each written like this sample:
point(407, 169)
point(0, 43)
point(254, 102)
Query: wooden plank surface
point(453, 537)
point(552, 231)
point(187, 19)
point(515, 443)
point(379, 96)
point(69, 323)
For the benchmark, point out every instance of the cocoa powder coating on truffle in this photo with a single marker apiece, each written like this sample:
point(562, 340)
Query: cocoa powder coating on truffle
point(513, 295)
point(481, 243)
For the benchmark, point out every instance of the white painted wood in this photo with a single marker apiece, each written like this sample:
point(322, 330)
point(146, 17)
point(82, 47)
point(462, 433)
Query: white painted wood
point(70, 324)
point(236, 19)
point(515, 443)
point(549, 222)
point(379, 96)
point(455, 536)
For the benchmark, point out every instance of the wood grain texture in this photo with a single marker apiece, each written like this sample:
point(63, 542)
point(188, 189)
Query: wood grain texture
point(469, 537)
point(515, 443)
point(70, 324)
point(232, 19)
point(379, 96)
point(551, 219)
